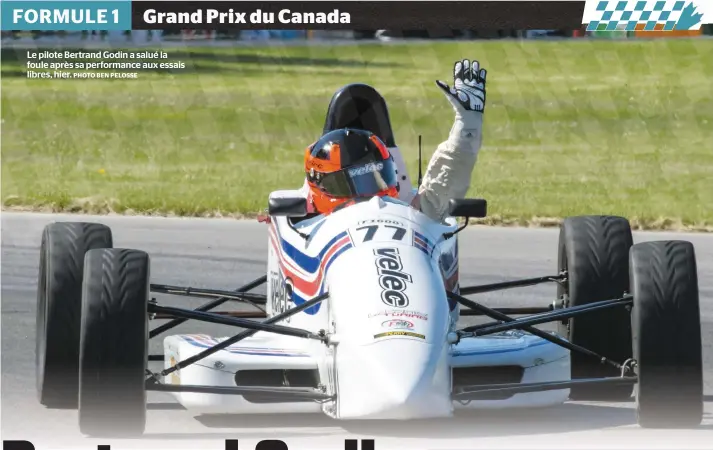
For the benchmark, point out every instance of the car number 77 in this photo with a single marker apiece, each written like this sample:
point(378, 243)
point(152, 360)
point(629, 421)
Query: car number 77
point(398, 235)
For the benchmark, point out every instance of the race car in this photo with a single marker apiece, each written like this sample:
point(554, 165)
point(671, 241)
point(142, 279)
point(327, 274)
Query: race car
point(361, 317)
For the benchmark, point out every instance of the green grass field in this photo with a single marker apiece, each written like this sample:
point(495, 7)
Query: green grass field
point(572, 127)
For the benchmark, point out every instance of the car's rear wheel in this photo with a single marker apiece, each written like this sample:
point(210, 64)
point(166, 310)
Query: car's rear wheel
point(667, 334)
point(59, 302)
point(114, 343)
point(594, 251)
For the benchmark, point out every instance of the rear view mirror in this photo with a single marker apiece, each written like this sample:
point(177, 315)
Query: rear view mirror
point(468, 207)
point(287, 205)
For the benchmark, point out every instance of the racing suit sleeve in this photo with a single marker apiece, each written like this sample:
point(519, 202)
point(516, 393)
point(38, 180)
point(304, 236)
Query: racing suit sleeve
point(450, 169)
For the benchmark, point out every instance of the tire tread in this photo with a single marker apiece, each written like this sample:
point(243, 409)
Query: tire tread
point(667, 334)
point(596, 250)
point(114, 343)
point(64, 245)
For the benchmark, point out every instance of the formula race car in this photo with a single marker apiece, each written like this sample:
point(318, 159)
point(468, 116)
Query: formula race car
point(361, 317)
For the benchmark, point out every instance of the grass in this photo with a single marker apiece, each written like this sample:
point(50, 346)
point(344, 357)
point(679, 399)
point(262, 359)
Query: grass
point(572, 127)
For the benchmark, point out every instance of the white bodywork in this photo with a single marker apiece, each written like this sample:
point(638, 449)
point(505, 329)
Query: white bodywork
point(386, 267)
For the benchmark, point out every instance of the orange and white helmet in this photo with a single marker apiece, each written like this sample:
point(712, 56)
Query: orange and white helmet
point(348, 163)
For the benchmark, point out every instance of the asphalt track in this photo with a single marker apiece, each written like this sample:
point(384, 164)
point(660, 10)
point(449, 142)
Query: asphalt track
point(225, 254)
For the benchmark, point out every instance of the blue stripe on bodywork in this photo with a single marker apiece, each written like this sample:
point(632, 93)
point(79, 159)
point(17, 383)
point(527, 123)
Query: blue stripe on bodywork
point(312, 310)
point(305, 262)
point(423, 238)
point(421, 242)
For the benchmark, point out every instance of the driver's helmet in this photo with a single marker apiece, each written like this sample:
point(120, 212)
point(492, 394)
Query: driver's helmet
point(348, 163)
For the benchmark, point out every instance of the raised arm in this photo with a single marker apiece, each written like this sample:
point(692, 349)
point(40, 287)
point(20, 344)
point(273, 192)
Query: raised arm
point(449, 171)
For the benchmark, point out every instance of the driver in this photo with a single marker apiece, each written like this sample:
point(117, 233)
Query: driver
point(346, 164)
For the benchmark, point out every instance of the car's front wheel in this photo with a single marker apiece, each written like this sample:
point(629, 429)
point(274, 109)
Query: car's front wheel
point(666, 327)
point(114, 343)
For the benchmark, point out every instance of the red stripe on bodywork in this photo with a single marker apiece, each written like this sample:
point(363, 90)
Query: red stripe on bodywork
point(307, 287)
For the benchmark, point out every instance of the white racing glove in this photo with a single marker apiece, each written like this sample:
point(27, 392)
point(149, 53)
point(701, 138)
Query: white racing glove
point(449, 171)
point(468, 91)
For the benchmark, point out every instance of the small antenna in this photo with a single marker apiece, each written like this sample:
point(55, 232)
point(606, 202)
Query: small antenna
point(420, 175)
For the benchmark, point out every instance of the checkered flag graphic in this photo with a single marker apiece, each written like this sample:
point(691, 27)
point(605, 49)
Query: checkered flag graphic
point(646, 15)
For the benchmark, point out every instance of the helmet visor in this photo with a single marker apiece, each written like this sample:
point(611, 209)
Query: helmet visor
point(367, 179)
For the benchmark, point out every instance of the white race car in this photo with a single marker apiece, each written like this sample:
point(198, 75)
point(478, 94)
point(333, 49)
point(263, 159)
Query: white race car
point(361, 310)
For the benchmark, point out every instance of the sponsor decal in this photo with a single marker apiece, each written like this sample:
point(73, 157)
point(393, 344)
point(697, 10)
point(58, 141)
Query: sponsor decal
point(280, 294)
point(392, 279)
point(399, 333)
point(363, 170)
point(312, 164)
point(380, 221)
point(397, 324)
point(400, 313)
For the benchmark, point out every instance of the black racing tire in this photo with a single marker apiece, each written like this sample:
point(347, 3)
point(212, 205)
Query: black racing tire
point(114, 343)
point(59, 304)
point(667, 342)
point(594, 250)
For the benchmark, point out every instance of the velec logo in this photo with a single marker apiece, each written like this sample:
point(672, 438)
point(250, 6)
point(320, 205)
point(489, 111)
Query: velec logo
point(392, 278)
point(280, 294)
point(369, 168)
